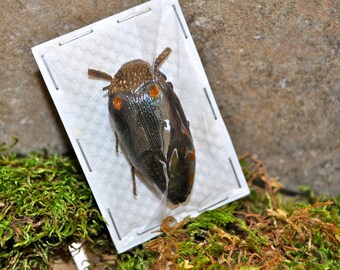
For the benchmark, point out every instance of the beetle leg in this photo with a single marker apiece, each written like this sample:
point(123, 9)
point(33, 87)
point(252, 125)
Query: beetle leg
point(134, 189)
point(117, 143)
point(161, 58)
point(99, 74)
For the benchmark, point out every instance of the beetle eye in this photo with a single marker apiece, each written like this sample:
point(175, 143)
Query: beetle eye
point(158, 73)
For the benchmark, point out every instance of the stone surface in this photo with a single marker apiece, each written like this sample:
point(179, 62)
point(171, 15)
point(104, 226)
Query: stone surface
point(274, 67)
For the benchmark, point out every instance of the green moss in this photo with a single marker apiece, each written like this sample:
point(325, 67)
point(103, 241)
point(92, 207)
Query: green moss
point(139, 259)
point(46, 204)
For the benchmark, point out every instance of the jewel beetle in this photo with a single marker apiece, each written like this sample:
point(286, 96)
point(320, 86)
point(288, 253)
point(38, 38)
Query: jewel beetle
point(151, 127)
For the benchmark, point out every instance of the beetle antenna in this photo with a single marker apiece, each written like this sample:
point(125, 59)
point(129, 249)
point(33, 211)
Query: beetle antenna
point(162, 57)
point(99, 74)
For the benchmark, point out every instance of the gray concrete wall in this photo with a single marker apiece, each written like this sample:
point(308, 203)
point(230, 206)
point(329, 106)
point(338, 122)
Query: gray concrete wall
point(274, 67)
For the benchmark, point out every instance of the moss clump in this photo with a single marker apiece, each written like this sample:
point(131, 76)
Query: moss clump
point(46, 204)
point(262, 231)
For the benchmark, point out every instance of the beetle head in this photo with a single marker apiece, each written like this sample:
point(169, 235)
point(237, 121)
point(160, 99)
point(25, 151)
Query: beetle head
point(133, 75)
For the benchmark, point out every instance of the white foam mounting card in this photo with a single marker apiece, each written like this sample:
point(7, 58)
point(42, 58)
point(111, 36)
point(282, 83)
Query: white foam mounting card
point(138, 33)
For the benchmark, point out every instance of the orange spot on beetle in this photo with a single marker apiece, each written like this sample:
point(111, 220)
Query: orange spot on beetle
point(174, 161)
point(117, 103)
point(192, 156)
point(191, 179)
point(154, 91)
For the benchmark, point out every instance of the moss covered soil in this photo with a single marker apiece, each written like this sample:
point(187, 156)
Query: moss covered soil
point(46, 205)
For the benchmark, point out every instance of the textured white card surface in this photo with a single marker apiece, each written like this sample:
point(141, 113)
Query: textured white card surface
point(138, 33)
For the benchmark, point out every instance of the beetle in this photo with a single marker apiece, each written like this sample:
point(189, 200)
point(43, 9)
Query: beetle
point(151, 127)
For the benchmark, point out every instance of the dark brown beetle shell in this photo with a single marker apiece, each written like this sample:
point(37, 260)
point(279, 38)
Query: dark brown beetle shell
point(151, 126)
